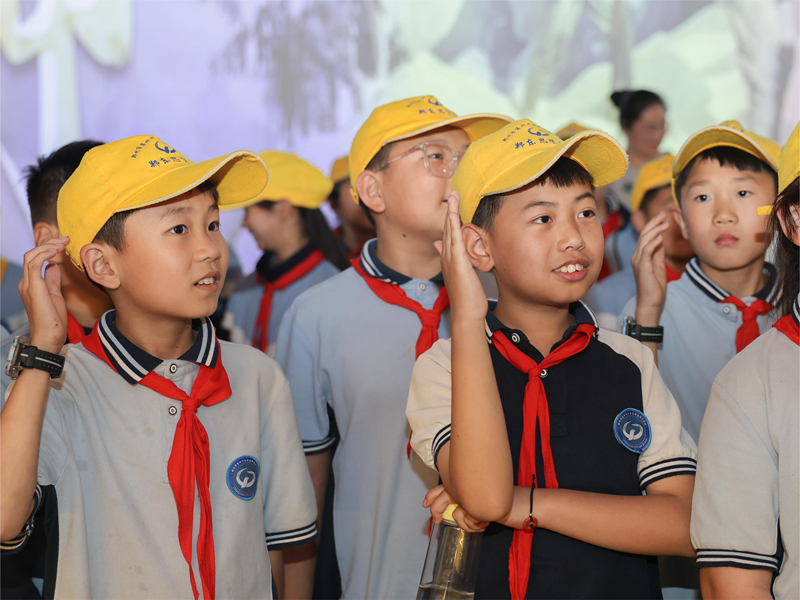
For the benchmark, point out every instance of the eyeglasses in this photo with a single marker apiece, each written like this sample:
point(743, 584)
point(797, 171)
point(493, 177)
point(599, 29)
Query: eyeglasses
point(440, 160)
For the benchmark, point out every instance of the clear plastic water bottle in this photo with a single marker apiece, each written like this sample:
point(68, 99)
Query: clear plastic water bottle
point(451, 564)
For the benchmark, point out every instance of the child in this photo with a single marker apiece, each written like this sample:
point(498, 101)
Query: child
point(722, 301)
point(355, 229)
point(85, 303)
point(300, 250)
point(745, 508)
point(608, 427)
point(651, 196)
point(348, 345)
point(146, 412)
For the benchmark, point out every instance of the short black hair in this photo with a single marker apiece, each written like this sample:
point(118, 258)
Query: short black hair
point(632, 103)
point(649, 196)
point(565, 172)
point(374, 164)
point(47, 176)
point(726, 156)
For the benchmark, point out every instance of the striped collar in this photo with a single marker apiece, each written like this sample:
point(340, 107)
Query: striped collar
point(796, 310)
point(269, 272)
point(583, 314)
point(695, 274)
point(373, 266)
point(134, 364)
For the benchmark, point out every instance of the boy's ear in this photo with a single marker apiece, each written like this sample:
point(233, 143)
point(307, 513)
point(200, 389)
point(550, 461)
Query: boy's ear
point(368, 186)
point(98, 260)
point(639, 220)
point(44, 231)
point(681, 222)
point(791, 229)
point(477, 249)
point(284, 208)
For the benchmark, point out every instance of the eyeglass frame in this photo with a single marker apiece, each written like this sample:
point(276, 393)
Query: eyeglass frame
point(424, 147)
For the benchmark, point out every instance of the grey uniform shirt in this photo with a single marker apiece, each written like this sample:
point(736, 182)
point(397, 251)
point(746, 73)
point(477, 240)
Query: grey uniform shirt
point(745, 506)
point(699, 338)
point(245, 302)
point(343, 347)
point(105, 445)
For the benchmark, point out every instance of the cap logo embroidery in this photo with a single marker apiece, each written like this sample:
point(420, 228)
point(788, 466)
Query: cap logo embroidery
point(242, 476)
point(632, 430)
point(166, 149)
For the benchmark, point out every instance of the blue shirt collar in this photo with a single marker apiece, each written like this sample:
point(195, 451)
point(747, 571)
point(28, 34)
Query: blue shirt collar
point(373, 266)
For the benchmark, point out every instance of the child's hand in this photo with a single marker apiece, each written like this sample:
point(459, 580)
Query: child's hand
point(438, 500)
point(467, 298)
point(650, 271)
point(42, 297)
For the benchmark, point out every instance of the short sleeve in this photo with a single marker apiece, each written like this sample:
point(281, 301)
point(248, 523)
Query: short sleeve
point(298, 356)
point(735, 506)
point(290, 506)
point(429, 401)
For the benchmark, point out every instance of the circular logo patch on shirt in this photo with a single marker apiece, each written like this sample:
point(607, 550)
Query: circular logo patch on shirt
point(242, 477)
point(632, 430)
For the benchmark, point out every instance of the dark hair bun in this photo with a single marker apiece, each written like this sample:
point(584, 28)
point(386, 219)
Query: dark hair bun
point(632, 103)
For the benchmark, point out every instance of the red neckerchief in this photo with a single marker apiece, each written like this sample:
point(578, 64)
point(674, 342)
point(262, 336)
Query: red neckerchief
point(748, 330)
point(672, 275)
point(534, 408)
point(300, 270)
point(430, 318)
point(788, 326)
point(189, 461)
point(75, 331)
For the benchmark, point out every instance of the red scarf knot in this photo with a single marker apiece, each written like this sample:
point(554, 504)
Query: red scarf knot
point(748, 330)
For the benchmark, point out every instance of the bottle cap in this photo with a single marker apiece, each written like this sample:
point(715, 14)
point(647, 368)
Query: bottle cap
point(448, 513)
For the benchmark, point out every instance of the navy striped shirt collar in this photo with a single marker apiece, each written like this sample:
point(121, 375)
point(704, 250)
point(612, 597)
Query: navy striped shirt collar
point(373, 266)
point(134, 364)
point(268, 272)
point(583, 314)
point(695, 274)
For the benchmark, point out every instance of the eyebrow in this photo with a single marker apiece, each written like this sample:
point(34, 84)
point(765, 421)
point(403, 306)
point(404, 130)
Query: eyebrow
point(182, 210)
point(535, 203)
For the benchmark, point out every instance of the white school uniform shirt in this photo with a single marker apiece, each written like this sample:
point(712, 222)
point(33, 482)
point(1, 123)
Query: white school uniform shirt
point(244, 304)
point(745, 505)
point(105, 446)
point(699, 337)
point(343, 347)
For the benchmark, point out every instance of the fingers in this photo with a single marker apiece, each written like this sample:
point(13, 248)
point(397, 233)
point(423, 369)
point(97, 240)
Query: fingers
point(467, 523)
point(432, 494)
point(52, 278)
point(34, 260)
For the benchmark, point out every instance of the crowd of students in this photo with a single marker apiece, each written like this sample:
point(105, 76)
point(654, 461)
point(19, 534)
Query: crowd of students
point(539, 327)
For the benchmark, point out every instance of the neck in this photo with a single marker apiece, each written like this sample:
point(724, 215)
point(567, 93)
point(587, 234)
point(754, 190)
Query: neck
point(84, 301)
point(164, 338)
point(414, 258)
point(543, 325)
point(639, 159)
point(677, 264)
point(742, 282)
point(289, 248)
point(354, 238)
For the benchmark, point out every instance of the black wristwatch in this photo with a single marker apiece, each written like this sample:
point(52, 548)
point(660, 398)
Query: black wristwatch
point(22, 356)
point(643, 334)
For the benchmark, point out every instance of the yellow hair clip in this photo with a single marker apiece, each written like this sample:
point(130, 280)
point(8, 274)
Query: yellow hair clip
point(763, 211)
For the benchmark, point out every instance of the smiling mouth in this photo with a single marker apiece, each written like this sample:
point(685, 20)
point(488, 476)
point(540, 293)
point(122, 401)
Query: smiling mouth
point(570, 268)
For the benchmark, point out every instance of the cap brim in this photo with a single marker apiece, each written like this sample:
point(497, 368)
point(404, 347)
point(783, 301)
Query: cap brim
point(597, 152)
point(239, 177)
point(714, 136)
point(476, 126)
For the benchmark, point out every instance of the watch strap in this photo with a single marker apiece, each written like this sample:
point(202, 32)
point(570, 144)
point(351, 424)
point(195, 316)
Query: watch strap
point(647, 334)
point(32, 357)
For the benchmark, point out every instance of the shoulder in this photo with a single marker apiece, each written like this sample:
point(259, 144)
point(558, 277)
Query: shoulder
point(625, 345)
point(336, 289)
point(768, 356)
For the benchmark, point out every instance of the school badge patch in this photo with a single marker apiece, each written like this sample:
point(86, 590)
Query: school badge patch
point(632, 430)
point(242, 477)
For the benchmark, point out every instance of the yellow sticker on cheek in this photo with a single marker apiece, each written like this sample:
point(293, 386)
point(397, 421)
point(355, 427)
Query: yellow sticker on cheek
point(763, 211)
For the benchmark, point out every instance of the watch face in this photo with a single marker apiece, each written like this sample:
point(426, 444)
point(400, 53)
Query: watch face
point(12, 368)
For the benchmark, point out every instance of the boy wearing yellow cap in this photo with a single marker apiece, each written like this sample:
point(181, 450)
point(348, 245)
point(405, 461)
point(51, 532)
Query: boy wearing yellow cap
point(356, 229)
point(750, 434)
point(563, 501)
point(300, 250)
point(348, 345)
point(722, 302)
point(651, 195)
point(164, 445)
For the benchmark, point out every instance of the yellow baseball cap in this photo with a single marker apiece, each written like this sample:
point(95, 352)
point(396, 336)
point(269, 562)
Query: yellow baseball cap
point(727, 133)
point(655, 174)
point(522, 151)
point(142, 170)
point(789, 168)
point(340, 170)
point(406, 118)
point(568, 131)
point(294, 179)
